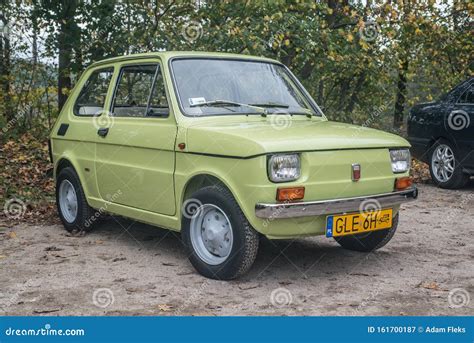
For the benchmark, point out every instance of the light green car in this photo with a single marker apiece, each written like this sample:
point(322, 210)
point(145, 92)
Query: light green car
point(223, 148)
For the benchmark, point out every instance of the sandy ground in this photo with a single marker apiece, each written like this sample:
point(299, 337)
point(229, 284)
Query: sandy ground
point(127, 268)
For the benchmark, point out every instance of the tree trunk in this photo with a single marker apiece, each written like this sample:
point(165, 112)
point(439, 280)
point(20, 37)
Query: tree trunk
point(66, 39)
point(355, 93)
point(401, 94)
point(34, 24)
point(5, 71)
point(402, 70)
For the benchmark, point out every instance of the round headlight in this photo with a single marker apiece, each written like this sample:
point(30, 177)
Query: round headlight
point(400, 159)
point(284, 167)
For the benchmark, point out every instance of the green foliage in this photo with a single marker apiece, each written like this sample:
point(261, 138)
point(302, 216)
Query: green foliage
point(362, 63)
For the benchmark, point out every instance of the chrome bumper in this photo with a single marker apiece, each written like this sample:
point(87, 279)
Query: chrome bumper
point(317, 208)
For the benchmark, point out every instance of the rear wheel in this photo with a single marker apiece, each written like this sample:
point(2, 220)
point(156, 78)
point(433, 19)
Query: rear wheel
point(74, 212)
point(369, 241)
point(219, 240)
point(445, 167)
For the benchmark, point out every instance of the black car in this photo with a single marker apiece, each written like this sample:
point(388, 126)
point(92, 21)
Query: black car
point(442, 134)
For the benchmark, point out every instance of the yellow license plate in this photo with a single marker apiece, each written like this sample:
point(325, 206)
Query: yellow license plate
point(355, 223)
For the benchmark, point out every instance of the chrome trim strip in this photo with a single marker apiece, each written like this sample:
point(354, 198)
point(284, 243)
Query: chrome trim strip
point(323, 207)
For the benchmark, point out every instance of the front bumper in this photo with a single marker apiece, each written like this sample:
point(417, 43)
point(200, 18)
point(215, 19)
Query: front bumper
point(323, 207)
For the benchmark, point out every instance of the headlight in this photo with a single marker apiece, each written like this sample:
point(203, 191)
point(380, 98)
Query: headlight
point(400, 160)
point(283, 168)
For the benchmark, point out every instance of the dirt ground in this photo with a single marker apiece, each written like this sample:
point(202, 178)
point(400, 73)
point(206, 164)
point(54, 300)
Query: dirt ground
point(127, 268)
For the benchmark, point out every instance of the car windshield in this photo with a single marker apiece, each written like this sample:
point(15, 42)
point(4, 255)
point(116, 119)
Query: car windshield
point(228, 87)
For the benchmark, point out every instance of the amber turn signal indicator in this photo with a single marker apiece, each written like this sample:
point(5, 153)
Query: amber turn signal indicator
point(290, 194)
point(403, 183)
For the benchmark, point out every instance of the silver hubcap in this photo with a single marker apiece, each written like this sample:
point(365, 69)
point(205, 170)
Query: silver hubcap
point(68, 201)
point(442, 163)
point(211, 234)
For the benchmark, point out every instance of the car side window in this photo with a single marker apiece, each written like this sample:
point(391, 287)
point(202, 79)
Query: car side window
point(140, 92)
point(467, 97)
point(158, 101)
point(91, 99)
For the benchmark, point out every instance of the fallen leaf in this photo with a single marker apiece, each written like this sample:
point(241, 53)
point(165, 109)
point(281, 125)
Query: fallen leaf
point(429, 285)
point(165, 307)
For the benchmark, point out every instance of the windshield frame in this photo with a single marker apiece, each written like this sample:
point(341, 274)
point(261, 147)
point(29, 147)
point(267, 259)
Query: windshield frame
point(314, 106)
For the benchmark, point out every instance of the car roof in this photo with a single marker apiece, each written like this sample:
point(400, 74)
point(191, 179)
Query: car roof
point(166, 55)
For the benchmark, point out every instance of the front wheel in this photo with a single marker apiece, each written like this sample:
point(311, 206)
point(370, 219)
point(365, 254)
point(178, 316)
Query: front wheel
point(219, 240)
point(445, 167)
point(369, 241)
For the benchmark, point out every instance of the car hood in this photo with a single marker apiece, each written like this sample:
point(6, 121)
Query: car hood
point(280, 134)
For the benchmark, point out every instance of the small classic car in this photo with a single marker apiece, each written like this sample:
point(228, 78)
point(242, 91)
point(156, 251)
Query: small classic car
point(442, 135)
point(222, 148)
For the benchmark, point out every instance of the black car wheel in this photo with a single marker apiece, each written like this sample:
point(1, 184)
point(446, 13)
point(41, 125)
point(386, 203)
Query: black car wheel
point(220, 242)
point(445, 167)
point(74, 212)
point(370, 241)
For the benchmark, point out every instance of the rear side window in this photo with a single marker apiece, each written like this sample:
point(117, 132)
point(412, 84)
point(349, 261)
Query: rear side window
point(91, 99)
point(468, 96)
point(140, 92)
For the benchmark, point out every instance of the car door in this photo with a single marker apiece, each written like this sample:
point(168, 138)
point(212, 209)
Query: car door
point(460, 122)
point(135, 155)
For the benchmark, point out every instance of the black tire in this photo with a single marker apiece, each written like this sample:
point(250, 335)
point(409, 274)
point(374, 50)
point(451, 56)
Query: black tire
point(245, 239)
point(369, 241)
point(458, 179)
point(86, 216)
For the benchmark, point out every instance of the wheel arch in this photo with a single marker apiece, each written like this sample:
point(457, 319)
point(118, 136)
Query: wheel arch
point(61, 164)
point(199, 181)
point(433, 140)
point(65, 162)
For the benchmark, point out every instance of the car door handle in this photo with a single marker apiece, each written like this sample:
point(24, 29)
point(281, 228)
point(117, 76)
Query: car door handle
point(103, 132)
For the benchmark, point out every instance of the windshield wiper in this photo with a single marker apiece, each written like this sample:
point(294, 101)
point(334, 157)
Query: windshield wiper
point(272, 104)
point(263, 111)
